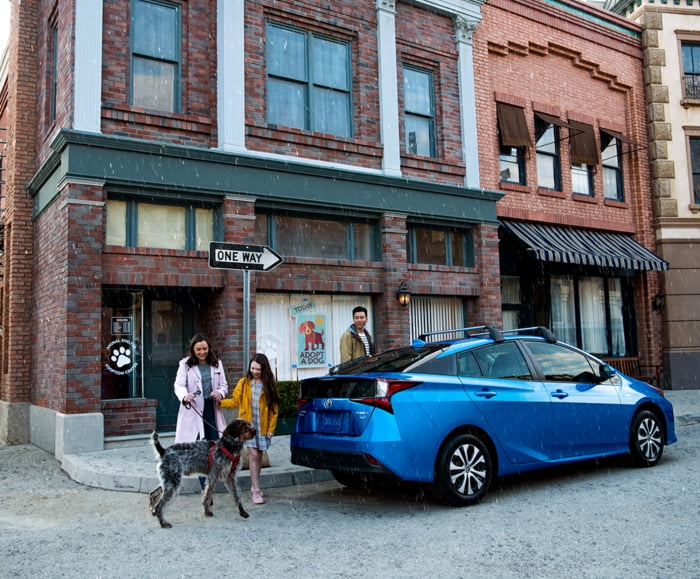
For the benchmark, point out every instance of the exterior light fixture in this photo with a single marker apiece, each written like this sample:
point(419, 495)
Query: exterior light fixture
point(658, 302)
point(403, 294)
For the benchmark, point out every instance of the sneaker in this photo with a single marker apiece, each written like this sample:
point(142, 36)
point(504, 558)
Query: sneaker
point(258, 497)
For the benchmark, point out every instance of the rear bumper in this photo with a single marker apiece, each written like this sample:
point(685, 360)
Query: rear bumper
point(342, 461)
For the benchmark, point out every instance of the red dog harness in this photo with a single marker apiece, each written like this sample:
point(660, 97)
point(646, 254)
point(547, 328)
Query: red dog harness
point(234, 457)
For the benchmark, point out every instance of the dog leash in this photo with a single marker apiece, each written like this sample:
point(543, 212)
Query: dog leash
point(189, 406)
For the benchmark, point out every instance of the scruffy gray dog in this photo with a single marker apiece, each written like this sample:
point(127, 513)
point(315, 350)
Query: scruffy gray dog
point(217, 460)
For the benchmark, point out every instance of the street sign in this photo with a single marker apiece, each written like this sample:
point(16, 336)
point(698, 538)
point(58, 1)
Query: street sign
point(247, 257)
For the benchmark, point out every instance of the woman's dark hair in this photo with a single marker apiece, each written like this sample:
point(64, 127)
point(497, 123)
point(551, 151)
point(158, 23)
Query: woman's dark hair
point(212, 358)
point(268, 379)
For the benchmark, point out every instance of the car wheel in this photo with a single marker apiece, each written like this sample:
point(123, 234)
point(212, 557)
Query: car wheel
point(646, 439)
point(464, 470)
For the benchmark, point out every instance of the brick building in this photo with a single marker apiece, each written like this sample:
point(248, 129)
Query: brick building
point(359, 140)
point(671, 44)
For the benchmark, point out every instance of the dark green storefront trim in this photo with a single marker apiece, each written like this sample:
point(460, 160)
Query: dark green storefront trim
point(171, 170)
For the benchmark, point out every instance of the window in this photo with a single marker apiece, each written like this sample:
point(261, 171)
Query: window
point(612, 167)
point(588, 312)
point(502, 360)
point(561, 364)
point(134, 223)
point(437, 314)
point(547, 147)
point(584, 157)
point(695, 167)
point(691, 69)
point(419, 112)
point(53, 67)
point(441, 246)
point(514, 138)
point(582, 179)
point(323, 238)
point(511, 303)
point(155, 55)
point(308, 81)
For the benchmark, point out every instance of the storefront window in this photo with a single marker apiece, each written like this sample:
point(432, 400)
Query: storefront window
point(588, 312)
point(121, 345)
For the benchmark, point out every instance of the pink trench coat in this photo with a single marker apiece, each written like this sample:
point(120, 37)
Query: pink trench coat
point(189, 420)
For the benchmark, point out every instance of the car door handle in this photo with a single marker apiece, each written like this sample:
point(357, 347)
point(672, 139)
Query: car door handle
point(485, 394)
point(559, 394)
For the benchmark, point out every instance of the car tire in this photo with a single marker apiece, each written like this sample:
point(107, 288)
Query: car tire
point(646, 439)
point(465, 470)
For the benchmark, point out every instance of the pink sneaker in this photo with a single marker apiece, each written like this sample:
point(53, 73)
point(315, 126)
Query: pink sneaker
point(257, 497)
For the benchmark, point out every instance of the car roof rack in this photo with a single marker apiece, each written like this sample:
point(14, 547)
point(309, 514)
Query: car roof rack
point(495, 334)
point(541, 331)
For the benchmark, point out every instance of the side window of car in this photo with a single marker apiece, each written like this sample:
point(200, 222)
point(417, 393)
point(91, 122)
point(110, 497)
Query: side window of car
point(467, 365)
point(561, 364)
point(502, 360)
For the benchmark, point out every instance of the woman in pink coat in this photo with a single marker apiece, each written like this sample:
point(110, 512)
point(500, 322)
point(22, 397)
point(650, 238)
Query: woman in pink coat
point(199, 385)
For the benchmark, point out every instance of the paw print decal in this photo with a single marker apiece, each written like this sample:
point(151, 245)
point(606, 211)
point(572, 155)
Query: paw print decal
point(121, 357)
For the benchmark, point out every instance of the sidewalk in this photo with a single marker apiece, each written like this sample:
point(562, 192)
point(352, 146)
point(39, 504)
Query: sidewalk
point(133, 468)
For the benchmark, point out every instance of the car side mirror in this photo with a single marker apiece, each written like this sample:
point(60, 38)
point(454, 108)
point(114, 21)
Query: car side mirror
point(605, 371)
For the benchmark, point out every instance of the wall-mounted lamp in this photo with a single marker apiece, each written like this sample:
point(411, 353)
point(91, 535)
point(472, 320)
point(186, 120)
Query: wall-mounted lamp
point(658, 302)
point(403, 294)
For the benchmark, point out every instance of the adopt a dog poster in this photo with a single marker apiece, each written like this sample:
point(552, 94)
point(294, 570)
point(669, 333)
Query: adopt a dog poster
point(311, 341)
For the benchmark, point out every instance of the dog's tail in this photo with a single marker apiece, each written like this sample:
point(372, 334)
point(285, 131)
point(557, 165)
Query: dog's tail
point(156, 444)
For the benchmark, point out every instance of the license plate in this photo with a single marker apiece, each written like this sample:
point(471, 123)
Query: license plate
point(331, 422)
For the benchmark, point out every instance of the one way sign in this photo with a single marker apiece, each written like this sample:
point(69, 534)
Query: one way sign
point(250, 257)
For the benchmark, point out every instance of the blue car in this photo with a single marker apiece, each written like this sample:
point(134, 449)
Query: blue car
point(458, 413)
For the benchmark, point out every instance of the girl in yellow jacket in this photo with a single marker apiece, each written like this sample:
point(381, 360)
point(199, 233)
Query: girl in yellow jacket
point(258, 401)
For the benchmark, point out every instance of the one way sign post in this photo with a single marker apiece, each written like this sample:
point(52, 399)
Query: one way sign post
point(247, 257)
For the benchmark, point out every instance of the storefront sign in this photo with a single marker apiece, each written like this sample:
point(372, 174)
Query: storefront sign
point(311, 341)
point(121, 357)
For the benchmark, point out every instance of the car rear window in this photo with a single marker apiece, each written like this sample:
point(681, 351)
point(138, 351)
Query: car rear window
point(398, 360)
point(338, 387)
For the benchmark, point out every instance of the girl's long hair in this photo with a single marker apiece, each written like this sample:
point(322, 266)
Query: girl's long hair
point(212, 358)
point(268, 379)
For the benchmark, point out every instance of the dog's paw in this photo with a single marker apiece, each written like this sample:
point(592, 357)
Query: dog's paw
point(208, 513)
point(243, 513)
point(165, 525)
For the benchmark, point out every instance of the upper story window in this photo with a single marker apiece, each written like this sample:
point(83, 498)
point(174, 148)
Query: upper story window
point(584, 157)
point(514, 138)
point(308, 81)
point(691, 69)
point(419, 112)
point(612, 167)
point(441, 246)
point(695, 167)
point(53, 67)
point(547, 149)
point(134, 223)
point(155, 55)
point(303, 236)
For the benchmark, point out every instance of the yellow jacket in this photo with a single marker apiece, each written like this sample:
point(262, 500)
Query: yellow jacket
point(242, 398)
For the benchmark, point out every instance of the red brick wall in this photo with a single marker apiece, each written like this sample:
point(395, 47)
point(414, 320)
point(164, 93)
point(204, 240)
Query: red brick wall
point(128, 417)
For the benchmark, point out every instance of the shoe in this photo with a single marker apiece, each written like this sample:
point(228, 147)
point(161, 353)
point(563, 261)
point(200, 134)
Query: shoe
point(257, 497)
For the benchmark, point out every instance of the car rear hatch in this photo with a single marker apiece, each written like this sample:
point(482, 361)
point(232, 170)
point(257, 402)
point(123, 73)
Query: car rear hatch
point(335, 405)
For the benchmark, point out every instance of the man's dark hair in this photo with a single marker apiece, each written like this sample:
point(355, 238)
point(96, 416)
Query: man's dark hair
point(356, 309)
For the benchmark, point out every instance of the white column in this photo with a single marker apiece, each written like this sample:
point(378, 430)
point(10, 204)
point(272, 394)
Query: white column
point(470, 149)
point(230, 71)
point(87, 98)
point(388, 87)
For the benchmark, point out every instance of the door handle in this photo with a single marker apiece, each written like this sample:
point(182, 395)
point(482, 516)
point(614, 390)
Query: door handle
point(559, 394)
point(485, 394)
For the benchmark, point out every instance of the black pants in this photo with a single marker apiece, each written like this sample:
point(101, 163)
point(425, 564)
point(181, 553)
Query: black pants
point(209, 417)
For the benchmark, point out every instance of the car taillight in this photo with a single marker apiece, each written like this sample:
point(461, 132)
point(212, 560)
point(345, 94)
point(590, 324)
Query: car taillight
point(384, 390)
point(301, 402)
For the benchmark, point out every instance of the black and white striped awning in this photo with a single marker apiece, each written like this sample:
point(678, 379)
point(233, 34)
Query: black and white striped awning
point(584, 247)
